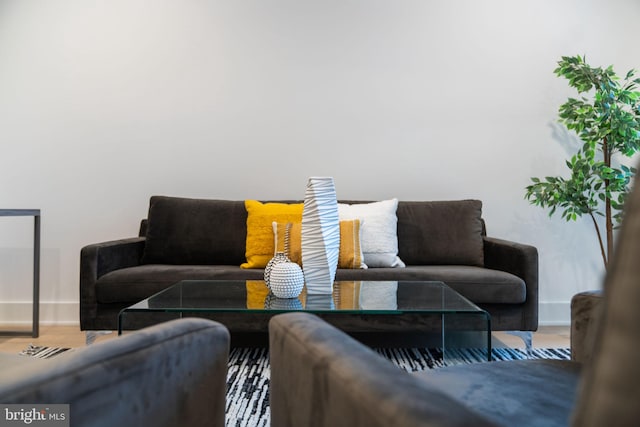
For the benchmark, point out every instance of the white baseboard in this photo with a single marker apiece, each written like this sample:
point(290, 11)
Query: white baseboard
point(51, 313)
point(556, 313)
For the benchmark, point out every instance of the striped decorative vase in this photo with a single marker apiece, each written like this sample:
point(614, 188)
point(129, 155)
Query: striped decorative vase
point(320, 235)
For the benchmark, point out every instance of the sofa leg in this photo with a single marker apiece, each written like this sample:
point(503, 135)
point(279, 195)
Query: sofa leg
point(527, 337)
point(90, 336)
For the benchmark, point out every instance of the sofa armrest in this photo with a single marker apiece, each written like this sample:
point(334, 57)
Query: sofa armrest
point(322, 377)
point(520, 260)
point(99, 259)
point(585, 313)
point(171, 374)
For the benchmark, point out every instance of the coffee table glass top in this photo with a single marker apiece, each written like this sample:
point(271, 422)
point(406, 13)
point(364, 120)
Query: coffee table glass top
point(380, 297)
point(356, 297)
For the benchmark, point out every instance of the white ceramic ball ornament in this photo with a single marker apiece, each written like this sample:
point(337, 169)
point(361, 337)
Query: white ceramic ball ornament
point(286, 280)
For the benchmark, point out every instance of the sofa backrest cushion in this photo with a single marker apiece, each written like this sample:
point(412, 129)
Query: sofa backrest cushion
point(195, 231)
point(441, 232)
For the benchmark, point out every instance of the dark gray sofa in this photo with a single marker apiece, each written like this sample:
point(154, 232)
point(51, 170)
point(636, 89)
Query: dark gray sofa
point(172, 374)
point(205, 239)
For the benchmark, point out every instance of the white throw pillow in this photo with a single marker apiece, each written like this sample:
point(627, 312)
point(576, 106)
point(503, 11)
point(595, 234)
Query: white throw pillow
point(379, 295)
point(379, 231)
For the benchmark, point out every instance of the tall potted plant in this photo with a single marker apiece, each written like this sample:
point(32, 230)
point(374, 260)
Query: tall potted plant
point(606, 118)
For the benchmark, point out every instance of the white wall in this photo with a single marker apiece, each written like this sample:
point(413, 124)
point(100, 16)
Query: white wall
point(105, 103)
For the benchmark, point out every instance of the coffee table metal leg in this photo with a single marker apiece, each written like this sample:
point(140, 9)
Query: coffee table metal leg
point(120, 319)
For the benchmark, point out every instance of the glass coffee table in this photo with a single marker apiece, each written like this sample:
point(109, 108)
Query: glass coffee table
point(190, 297)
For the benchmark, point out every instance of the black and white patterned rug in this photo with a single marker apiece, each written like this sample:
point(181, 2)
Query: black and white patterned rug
point(249, 374)
point(42, 352)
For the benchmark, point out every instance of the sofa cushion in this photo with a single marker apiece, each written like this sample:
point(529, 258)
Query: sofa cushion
point(478, 284)
point(195, 231)
point(440, 232)
point(134, 284)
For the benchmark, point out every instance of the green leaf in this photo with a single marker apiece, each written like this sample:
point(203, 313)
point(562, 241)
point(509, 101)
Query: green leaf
point(630, 74)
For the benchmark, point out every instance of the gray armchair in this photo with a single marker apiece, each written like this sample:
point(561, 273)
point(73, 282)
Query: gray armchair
point(322, 377)
point(172, 374)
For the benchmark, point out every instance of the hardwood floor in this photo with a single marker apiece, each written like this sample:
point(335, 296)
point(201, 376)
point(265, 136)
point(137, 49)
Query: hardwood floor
point(544, 337)
point(50, 336)
point(71, 336)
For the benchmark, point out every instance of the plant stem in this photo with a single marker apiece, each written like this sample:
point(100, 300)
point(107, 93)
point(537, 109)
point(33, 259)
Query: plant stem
point(595, 224)
point(607, 202)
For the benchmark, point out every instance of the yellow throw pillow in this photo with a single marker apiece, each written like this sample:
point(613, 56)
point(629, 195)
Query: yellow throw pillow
point(257, 293)
point(295, 239)
point(260, 216)
point(350, 255)
point(348, 295)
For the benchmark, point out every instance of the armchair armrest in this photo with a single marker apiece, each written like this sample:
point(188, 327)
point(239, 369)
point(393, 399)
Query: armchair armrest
point(99, 259)
point(171, 374)
point(585, 312)
point(322, 377)
point(520, 260)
